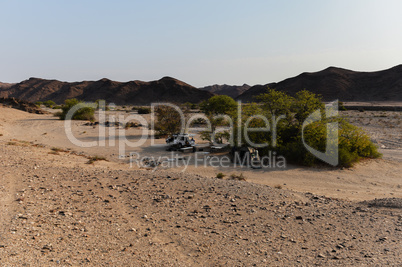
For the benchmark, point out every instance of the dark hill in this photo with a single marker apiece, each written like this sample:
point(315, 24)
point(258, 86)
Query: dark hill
point(21, 105)
point(230, 90)
point(166, 89)
point(344, 85)
point(4, 88)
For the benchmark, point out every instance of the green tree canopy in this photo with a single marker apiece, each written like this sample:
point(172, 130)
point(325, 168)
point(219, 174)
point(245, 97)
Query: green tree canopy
point(219, 104)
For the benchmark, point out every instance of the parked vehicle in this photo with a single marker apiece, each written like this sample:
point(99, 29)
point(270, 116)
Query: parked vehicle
point(180, 141)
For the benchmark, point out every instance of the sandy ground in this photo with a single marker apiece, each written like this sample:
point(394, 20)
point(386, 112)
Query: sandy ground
point(368, 180)
point(57, 209)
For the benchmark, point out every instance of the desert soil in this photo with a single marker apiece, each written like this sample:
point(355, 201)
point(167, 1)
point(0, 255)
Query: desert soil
point(57, 209)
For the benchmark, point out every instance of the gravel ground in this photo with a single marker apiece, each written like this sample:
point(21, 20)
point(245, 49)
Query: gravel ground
point(58, 210)
point(384, 127)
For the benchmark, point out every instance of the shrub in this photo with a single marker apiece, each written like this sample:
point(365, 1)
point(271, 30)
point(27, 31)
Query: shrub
point(220, 175)
point(91, 160)
point(198, 121)
point(85, 112)
point(144, 110)
point(49, 103)
point(57, 149)
point(353, 144)
point(342, 106)
point(187, 105)
point(238, 177)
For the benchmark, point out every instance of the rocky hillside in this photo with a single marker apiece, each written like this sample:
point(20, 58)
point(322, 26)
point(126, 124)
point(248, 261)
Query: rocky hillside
point(21, 105)
point(166, 89)
point(230, 90)
point(336, 83)
point(5, 86)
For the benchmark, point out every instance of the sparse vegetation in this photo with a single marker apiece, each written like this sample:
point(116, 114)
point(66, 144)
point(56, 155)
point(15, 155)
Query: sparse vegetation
point(57, 149)
point(15, 142)
point(101, 104)
point(189, 106)
point(91, 160)
point(238, 177)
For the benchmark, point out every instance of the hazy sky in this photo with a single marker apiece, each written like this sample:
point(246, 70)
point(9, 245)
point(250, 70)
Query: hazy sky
point(199, 42)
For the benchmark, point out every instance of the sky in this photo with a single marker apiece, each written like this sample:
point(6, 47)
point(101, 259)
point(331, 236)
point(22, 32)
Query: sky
point(199, 42)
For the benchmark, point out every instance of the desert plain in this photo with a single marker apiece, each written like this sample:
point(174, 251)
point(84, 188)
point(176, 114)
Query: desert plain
point(59, 207)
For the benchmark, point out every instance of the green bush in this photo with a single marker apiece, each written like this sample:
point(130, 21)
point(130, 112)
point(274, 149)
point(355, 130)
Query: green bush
point(49, 103)
point(220, 175)
point(353, 143)
point(85, 112)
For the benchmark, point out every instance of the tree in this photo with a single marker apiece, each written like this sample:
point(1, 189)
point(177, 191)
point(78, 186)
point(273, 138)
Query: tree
point(353, 143)
point(168, 120)
point(276, 103)
point(217, 108)
point(306, 103)
point(219, 104)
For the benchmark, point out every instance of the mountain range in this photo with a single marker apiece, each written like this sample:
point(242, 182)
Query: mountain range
point(342, 84)
point(332, 83)
point(230, 90)
point(5, 85)
point(166, 89)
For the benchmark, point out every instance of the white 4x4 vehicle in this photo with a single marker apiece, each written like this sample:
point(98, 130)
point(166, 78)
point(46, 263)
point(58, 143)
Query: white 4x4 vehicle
point(180, 140)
